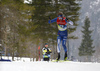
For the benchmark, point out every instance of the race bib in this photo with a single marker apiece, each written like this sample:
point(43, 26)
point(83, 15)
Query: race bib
point(62, 27)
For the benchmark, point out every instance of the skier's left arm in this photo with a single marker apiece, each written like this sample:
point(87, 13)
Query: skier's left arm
point(49, 51)
point(69, 21)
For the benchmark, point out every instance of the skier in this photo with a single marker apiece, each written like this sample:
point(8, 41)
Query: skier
point(46, 52)
point(62, 32)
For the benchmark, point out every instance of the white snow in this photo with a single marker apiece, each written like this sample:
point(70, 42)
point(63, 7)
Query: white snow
point(94, 4)
point(28, 1)
point(48, 66)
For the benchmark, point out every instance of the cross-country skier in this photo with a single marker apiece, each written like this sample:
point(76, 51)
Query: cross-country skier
point(62, 32)
point(46, 52)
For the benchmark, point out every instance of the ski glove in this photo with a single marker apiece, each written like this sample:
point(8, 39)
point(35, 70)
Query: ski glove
point(49, 18)
point(48, 52)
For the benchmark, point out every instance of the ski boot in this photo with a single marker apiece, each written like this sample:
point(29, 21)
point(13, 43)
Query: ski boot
point(65, 57)
point(57, 59)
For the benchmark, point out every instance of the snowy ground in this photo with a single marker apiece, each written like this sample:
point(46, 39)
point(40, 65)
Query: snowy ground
point(48, 66)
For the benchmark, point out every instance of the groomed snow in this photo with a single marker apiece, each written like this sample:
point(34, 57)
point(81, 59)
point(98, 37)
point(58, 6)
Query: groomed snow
point(48, 66)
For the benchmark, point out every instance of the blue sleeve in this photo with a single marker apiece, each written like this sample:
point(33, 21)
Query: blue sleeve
point(53, 20)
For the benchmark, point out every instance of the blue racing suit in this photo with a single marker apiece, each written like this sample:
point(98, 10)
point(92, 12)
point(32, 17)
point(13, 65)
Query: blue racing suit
point(62, 33)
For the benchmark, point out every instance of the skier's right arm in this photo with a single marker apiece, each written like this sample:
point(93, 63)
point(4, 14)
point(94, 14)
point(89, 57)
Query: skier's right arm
point(44, 51)
point(53, 20)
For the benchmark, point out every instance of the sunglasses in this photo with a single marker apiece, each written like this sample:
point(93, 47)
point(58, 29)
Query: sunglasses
point(60, 18)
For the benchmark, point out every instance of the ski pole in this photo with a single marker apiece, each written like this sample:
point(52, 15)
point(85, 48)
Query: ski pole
point(52, 35)
point(50, 20)
point(67, 39)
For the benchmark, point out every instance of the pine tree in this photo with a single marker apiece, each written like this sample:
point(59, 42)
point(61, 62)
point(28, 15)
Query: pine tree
point(15, 15)
point(86, 48)
point(46, 8)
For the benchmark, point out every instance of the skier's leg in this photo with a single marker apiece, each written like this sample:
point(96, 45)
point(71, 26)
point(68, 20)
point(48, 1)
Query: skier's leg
point(45, 59)
point(64, 46)
point(65, 57)
point(64, 43)
point(58, 46)
point(58, 57)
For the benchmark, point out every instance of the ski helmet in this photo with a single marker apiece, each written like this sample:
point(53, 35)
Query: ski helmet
point(46, 43)
point(60, 13)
